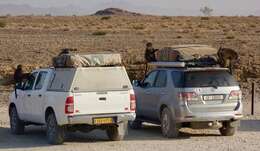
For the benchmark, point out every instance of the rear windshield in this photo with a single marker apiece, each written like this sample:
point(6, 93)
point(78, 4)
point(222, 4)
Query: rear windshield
point(101, 79)
point(203, 79)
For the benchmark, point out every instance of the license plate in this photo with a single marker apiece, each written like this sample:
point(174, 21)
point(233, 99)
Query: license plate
point(103, 120)
point(213, 97)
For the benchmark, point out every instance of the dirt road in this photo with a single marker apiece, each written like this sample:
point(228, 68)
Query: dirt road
point(148, 138)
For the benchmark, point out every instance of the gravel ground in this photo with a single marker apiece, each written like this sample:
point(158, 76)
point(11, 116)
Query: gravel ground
point(148, 138)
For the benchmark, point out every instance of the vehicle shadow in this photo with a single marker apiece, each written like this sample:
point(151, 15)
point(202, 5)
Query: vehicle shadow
point(249, 125)
point(153, 132)
point(35, 135)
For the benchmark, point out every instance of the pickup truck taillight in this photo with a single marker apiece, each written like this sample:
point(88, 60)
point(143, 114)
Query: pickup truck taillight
point(188, 96)
point(69, 105)
point(132, 102)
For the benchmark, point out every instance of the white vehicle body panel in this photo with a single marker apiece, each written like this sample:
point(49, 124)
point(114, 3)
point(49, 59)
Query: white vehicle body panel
point(32, 104)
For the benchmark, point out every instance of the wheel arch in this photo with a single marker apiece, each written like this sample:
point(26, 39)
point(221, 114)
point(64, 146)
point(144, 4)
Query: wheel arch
point(162, 106)
point(11, 105)
point(48, 111)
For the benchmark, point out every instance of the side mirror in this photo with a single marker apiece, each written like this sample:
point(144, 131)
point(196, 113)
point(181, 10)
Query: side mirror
point(136, 83)
point(146, 85)
point(19, 86)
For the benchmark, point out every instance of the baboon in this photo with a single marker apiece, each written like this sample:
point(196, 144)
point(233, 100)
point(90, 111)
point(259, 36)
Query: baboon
point(150, 52)
point(227, 58)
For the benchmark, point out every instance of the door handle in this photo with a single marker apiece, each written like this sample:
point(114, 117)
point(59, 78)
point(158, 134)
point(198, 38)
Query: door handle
point(147, 92)
point(163, 93)
point(29, 95)
point(40, 95)
point(103, 99)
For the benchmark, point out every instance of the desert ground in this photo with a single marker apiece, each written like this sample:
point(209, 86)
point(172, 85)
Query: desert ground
point(33, 41)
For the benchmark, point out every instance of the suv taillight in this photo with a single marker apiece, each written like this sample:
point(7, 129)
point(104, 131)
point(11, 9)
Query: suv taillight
point(69, 105)
point(132, 103)
point(188, 96)
point(235, 95)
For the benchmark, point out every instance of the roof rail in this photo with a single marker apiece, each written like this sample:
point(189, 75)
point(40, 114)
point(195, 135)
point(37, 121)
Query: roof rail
point(168, 64)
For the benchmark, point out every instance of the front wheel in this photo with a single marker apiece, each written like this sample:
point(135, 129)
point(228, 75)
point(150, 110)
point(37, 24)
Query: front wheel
point(117, 133)
point(227, 129)
point(169, 126)
point(17, 125)
point(55, 133)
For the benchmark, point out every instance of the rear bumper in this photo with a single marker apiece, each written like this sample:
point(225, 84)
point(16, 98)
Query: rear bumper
point(88, 119)
point(185, 115)
point(208, 117)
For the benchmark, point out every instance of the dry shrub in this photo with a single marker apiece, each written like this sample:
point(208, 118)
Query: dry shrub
point(139, 27)
point(99, 33)
point(204, 18)
point(230, 37)
point(164, 26)
point(2, 24)
point(165, 17)
point(106, 17)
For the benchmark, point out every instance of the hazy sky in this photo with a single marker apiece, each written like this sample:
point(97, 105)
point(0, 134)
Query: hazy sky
point(158, 7)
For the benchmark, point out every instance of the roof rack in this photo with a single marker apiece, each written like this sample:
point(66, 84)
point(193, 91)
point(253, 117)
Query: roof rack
point(168, 64)
point(183, 64)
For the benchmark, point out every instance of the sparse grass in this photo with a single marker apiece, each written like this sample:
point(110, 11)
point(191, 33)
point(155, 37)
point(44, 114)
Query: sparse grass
point(99, 33)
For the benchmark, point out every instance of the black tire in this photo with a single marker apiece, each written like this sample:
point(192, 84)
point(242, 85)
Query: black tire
point(169, 127)
point(114, 133)
point(136, 124)
point(17, 125)
point(227, 129)
point(55, 133)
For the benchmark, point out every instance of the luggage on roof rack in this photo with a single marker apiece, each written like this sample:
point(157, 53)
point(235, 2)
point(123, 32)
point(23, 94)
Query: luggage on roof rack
point(168, 64)
point(192, 55)
point(86, 60)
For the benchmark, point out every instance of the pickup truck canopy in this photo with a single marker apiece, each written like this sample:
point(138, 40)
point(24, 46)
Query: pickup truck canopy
point(89, 79)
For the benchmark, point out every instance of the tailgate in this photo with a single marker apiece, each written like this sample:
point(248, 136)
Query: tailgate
point(101, 102)
point(213, 100)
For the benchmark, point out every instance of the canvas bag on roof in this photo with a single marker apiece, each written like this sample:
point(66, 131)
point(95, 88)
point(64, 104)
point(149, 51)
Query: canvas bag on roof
point(86, 60)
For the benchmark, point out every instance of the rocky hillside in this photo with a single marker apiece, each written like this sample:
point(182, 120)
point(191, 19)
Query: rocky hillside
point(116, 12)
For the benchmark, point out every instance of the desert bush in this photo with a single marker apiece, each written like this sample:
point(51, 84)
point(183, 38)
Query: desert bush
point(139, 27)
point(204, 18)
point(99, 33)
point(165, 17)
point(230, 37)
point(2, 24)
point(105, 17)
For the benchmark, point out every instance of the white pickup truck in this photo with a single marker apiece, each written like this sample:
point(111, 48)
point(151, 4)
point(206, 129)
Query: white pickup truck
point(74, 99)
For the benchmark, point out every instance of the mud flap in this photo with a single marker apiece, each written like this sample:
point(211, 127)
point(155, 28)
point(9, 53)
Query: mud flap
point(123, 128)
point(235, 123)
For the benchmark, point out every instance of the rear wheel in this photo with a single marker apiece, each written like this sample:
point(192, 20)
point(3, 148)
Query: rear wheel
point(55, 133)
point(117, 133)
point(17, 125)
point(227, 129)
point(169, 126)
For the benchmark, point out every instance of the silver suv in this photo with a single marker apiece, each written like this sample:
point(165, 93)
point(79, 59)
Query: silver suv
point(189, 97)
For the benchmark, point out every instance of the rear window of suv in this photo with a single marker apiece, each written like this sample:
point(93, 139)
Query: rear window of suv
point(214, 78)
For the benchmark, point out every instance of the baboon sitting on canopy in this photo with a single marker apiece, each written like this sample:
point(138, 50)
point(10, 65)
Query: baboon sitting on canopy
point(227, 58)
